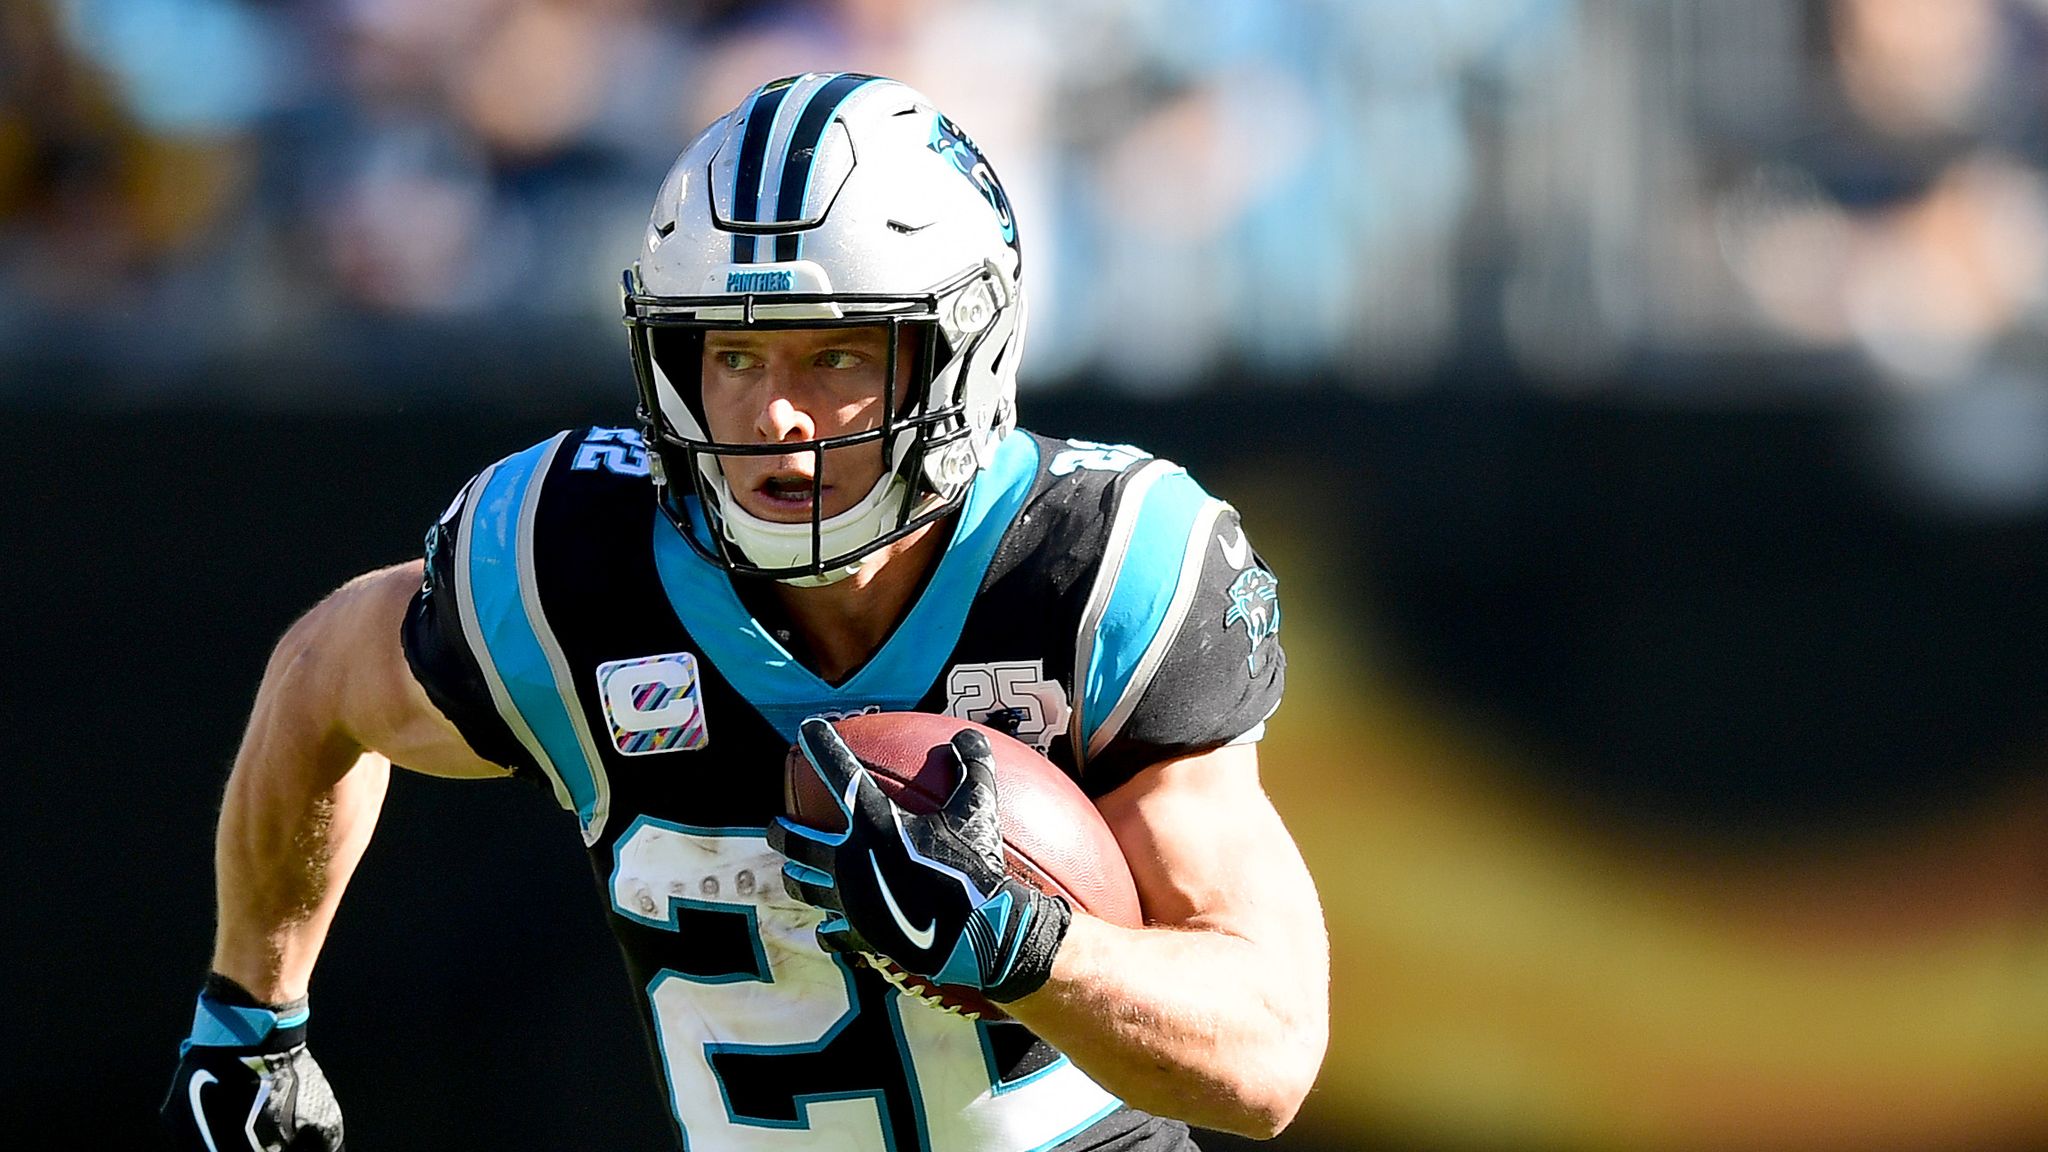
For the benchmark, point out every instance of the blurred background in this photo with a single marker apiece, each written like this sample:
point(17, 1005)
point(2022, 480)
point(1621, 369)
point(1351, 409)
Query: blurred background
point(1643, 402)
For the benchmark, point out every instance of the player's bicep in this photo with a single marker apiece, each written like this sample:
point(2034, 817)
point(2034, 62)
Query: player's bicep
point(1208, 851)
point(383, 706)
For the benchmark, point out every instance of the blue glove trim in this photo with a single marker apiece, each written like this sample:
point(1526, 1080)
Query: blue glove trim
point(828, 839)
point(805, 874)
point(996, 911)
point(1016, 939)
point(219, 1025)
point(965, 966)
point(962, 967)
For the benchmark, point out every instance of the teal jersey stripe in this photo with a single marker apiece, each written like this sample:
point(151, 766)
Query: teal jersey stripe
point(1139, 603)
point(511, 642)
point(781, 688)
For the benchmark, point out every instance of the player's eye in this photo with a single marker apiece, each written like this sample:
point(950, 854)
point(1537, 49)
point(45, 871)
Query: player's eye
point(840, 358)
point(736, 361)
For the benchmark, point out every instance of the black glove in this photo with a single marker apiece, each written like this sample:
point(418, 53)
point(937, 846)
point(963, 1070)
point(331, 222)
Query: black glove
point(929, 892)
point(245, 1080)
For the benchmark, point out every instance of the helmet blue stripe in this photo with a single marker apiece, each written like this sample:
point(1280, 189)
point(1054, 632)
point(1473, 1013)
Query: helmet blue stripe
point(746, 190)
point(802, 153)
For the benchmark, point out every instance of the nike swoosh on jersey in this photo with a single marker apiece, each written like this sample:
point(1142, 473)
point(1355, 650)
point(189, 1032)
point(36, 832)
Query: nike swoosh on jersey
point(1234, 551)
point(920, 938)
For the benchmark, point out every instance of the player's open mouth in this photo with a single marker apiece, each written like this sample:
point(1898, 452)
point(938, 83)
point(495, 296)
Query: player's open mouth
point(787, 491)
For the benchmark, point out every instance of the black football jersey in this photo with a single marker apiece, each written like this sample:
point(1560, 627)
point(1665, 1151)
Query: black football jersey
point(1093, 599)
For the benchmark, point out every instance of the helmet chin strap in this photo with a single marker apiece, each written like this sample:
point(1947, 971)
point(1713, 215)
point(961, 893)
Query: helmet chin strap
point(775, 544)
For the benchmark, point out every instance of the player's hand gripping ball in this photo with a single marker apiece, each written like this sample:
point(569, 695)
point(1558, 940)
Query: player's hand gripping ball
point(947, 853)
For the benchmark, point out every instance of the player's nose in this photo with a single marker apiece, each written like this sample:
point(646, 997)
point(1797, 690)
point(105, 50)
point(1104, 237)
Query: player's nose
point(781, 420)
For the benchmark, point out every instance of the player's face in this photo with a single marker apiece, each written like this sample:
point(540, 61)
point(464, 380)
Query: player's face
point(772, 387)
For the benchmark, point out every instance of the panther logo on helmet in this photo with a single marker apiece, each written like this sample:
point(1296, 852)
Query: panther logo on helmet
point(949, 141)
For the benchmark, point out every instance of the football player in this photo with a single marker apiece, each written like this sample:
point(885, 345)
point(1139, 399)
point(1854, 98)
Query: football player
point(825, 508)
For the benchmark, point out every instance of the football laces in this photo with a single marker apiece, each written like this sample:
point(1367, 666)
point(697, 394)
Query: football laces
point(925, 993)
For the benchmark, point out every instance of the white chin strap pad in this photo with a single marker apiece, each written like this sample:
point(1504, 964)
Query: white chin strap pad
point(773, 544)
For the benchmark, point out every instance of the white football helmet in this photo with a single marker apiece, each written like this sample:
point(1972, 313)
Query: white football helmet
point(830, 199)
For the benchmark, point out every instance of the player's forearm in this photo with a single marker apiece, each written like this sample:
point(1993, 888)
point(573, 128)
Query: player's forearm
point(299, 810)
point(1203, 1026)
point(283, 855)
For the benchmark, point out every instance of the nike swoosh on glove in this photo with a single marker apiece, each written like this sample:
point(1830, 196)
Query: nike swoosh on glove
point(246, 1081)
point(929, 891)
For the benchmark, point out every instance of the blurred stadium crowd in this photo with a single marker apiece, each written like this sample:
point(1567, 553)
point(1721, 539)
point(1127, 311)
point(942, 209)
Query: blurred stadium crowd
point(1367, 193)
point(1692, 781)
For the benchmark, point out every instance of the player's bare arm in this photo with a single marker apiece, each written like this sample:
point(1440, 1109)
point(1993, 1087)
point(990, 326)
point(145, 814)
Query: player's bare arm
point(1219, 1011)
point(337, 705)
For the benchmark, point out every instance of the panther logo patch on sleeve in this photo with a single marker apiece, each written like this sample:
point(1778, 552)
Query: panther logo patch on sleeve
point(1254, 601)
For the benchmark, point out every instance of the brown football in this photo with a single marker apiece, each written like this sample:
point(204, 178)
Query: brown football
point(1053, 837)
